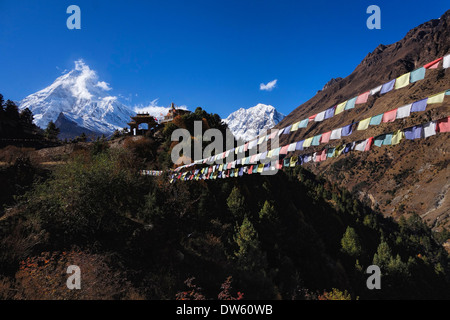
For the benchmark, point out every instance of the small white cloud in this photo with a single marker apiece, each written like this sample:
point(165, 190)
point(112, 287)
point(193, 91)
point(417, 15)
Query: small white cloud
point(103, 85)
point(269, 86)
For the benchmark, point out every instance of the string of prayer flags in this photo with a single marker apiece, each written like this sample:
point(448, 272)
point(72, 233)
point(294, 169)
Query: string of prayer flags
point(397, 137)
point(446, 62)
point(416, 75)
point(437, 98)
point(350, 103)
point(402, 81)
point(362, 98)
point(433, 64)
point(376, 120)
point(443, 125)
point(390, 116)
point(388, 86)
point(363, 124)
point(420, 105)
point(404, 112)
point(429, 129)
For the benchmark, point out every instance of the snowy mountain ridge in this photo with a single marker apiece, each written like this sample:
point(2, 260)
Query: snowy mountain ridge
point(248, 123)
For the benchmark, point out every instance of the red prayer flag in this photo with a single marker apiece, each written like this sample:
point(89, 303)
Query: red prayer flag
point(389, 116)
point(311, 118)
point(284, 149)
point(323, 155)
point(325, 137)
point(433, 64)
point(362, 98)
point(369, 143)
point(443, 125)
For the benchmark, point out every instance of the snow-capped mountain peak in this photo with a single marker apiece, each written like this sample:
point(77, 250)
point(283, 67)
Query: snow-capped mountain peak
point(82, 98)
point(248, 123)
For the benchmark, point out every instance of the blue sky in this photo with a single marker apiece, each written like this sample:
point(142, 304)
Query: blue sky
point(213, 54)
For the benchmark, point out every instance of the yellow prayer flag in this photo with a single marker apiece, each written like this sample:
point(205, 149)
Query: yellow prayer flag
point(340, 107)
point(402, 81)
point(363, 124)
point(295, 126)
point(307, 142)
point(293, 161)
point(260, 168)
point(397, 137)
point(437, 98)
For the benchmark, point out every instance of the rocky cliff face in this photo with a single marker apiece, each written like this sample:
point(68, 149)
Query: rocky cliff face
point(412, 177)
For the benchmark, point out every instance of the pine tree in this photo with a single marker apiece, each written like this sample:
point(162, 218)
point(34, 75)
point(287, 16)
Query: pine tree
point(350, 243)
point(236, 203)
point(249, 255)
point(51, 132)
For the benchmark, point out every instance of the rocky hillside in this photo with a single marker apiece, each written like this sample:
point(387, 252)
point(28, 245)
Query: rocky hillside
point(412, 176)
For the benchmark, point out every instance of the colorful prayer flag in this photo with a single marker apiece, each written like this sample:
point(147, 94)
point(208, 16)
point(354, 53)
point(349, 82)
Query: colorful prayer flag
point(350, 103)
point(412, 133)
point(307, 142)
point(388, 86)
point(316, 140)
point(340, 107)
point(433, 64)
point(416, 75)
point(347, 130)
point(336, 134)
point(420, 105)
point(376, 120)
point(329, 113)
point(362, 98)
point(325, 138)
point(390, 116)
point(404, 112)
point(446, 62)
point(397, 137)
point(375, 90)
point(402, 81)
point(320, 116)
point(443, 125)
point(299, 145)
point(363, 124)
point(437, 98)
point(429, 129)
